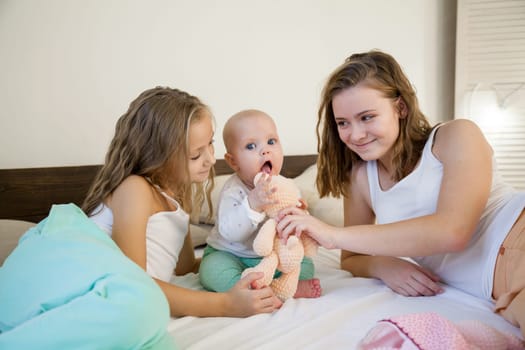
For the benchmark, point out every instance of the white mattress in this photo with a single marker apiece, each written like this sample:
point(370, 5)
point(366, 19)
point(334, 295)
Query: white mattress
point(348, 308)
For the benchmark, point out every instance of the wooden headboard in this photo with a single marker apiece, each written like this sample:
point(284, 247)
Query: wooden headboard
point(27, 194)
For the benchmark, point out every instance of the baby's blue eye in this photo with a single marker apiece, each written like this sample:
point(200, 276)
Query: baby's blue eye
point(272, 141)
point(250, 146)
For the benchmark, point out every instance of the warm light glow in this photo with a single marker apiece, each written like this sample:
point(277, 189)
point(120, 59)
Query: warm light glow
point(486, 110)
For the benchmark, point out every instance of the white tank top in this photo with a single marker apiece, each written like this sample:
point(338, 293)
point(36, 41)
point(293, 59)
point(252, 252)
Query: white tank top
point(471, 270)
point(165, 234)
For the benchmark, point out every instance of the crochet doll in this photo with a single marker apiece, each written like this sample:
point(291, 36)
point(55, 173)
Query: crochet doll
point(277, 255)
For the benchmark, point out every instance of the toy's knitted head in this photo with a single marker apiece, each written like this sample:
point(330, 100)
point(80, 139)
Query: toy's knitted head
point(287, 194)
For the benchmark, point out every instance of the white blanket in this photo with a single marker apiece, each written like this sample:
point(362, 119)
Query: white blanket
point(339, 319)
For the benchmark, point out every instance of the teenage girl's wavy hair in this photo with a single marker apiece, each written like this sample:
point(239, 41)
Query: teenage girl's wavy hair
point(379, 71)
point(151, 140)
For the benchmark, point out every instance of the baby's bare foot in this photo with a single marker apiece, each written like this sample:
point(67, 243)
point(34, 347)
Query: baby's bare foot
point(308, 289)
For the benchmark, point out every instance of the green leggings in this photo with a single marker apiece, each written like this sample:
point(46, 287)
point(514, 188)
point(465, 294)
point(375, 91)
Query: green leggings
point(220, 270)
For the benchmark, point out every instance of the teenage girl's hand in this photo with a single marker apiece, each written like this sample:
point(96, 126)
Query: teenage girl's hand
point(261, 195)
point(407, 278)
point(245, 301)
point(295, 221)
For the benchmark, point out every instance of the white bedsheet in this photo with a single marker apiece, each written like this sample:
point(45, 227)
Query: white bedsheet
point(348, 308)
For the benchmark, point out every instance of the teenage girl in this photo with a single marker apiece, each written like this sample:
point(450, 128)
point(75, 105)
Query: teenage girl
point(413, 190)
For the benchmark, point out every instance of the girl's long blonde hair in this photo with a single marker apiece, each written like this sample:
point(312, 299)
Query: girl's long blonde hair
point(151, 140)
point(381, 72)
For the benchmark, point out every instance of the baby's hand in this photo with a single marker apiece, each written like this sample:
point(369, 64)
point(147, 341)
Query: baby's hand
point(262, 194)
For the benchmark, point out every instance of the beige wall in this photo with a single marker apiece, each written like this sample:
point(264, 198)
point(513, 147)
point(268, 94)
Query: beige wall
point(69, 68)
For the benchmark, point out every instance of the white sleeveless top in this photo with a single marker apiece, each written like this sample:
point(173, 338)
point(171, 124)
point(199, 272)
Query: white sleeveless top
point(471, 270)
point(165, 234)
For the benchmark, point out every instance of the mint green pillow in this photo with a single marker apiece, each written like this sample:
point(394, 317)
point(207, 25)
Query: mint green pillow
point(67, 285)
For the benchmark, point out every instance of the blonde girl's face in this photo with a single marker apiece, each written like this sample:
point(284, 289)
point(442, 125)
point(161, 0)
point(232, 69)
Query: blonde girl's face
point(367, 122)
point(201, 150)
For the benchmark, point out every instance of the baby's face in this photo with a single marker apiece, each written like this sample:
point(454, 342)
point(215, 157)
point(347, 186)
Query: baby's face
point(256, 147)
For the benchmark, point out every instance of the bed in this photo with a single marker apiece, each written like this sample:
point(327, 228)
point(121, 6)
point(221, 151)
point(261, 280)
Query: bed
point(348, 308)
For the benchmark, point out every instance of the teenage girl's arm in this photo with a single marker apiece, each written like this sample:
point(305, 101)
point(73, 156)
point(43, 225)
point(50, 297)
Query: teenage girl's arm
point(398, 274)
point(467, 175)
point(132, 203)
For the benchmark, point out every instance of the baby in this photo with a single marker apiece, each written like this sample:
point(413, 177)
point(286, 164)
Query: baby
point(252, 146)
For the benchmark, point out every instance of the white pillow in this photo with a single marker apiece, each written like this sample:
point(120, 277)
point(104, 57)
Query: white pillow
point(328, 209)
point(219, 183)
point(306, 183)
point(10, 233)
point(199, 233)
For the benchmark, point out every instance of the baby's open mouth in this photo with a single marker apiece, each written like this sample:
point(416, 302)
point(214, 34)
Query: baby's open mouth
point(267, 167)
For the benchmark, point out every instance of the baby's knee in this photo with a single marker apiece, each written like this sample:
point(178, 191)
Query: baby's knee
point(219, 271)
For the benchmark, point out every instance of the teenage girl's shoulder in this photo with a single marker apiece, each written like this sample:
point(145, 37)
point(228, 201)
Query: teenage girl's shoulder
point(458, 134)
point(359, 175)
point(457, 128)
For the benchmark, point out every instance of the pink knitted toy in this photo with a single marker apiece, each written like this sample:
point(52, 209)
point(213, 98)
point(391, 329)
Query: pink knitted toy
point(277, 255)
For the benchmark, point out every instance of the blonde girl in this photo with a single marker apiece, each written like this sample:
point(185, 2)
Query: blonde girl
point(158, 168)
